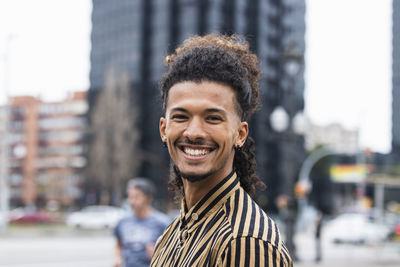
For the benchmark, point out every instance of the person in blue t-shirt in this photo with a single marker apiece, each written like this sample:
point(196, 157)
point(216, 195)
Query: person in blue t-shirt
point(137, 233)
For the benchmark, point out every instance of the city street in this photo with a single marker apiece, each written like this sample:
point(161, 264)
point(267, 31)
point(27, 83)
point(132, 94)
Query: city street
point(56, 249)
point(346, 255)
point(62, 247)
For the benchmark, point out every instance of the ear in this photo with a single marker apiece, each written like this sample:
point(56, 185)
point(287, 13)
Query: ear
point(243, 132)
point(162, 128)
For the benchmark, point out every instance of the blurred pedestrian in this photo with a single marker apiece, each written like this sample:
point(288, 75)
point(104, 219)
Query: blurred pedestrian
point(318, 245)
point(137, 233)
point(209, 91)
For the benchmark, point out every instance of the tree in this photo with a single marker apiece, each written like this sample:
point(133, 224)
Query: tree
point(112, 155)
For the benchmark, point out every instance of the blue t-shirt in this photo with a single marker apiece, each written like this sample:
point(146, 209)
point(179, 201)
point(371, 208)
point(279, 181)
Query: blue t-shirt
point(135, 234)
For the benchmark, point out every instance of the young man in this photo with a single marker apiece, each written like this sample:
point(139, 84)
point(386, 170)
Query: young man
point(209, 92)
point(137, 233)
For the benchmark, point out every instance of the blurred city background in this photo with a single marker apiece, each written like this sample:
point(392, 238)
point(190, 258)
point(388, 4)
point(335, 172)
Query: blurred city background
point(80, 111)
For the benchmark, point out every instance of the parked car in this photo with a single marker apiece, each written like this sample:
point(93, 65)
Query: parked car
point(355, 228)
point(95, 217)
point(395, 233)
point(393, 222)
point(2, 219)
point(28, 215)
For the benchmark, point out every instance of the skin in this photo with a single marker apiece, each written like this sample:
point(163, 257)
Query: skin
point(140, 202)
point(141, 205)
point(201, 128)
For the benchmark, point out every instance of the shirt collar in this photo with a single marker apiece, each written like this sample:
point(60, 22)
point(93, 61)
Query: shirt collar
point(211, 201)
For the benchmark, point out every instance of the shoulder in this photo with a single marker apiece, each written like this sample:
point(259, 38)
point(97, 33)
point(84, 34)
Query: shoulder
point(127, 218)
point(161, 218)
point(247, 219)
point(255, 236)
point(122, 223)
point(254, 252)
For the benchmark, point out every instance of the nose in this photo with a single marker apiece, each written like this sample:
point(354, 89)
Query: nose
point(194, 129)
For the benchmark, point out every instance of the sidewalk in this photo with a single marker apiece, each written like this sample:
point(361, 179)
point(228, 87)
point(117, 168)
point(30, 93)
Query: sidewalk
point(346, 255)
point(344, 264)
point(32, 231)
point(343, 255)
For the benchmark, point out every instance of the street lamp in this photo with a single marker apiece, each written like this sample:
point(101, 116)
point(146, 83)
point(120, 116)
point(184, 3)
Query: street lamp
point(279, 119)
point(4, 186)
point(288, 123)
point(288, 129)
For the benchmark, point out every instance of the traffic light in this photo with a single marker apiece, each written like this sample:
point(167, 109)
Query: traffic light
point(301, 189)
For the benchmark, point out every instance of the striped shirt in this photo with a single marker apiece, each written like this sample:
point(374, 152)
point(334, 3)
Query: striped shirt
point(225, 228)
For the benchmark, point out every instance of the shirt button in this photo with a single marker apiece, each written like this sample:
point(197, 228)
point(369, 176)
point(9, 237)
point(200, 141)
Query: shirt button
point(184, 235)
point(195, 216)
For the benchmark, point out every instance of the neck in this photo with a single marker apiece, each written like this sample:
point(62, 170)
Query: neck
point(195, 191)
point(144, 212)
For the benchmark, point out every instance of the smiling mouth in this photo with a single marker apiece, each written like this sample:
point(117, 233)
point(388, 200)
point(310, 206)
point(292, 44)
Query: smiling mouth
point(196, 152)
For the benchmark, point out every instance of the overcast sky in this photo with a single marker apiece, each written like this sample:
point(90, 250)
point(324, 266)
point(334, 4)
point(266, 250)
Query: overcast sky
point(348, 58)
point(348, 67)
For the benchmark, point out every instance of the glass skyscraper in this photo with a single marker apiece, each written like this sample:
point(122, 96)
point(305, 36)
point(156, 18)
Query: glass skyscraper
point(134, 36)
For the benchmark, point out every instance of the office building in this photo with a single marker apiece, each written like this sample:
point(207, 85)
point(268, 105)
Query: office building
point(333, 136)
point(134, 37)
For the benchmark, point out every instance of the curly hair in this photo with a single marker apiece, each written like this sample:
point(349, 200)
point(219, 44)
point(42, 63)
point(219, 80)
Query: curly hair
point(227, 60)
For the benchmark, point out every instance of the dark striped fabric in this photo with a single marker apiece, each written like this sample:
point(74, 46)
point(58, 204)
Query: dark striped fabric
point(225, 228)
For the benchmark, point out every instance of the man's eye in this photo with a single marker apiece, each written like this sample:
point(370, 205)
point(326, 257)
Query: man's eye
point(178, 117)
point(214, 118)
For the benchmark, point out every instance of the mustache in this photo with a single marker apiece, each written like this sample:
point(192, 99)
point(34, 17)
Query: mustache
point(197, 142)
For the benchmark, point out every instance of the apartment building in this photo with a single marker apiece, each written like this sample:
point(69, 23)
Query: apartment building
point(45, 149)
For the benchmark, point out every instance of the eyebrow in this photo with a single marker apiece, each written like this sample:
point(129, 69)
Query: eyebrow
point(215, 110)
point(208, 110)
point(179, 110)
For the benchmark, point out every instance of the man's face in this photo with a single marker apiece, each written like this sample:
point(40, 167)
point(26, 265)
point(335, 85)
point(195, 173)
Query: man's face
point(201, 128)
point(137, 199)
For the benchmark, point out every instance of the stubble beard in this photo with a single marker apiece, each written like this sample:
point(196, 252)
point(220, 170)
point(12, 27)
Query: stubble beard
point(193, 177)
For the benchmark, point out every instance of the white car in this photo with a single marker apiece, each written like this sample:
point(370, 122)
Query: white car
point(95, 217)
point(2, 219)
point(355, 228)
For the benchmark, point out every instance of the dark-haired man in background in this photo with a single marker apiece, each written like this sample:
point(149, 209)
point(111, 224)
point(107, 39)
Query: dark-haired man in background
point(137, 233)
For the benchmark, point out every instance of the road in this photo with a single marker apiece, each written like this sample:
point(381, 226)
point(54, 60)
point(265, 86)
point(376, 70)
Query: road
point(385, 254)
point(78, 249)
point(64, 248)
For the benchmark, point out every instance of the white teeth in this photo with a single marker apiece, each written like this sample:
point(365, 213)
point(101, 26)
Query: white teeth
point(195, 152)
